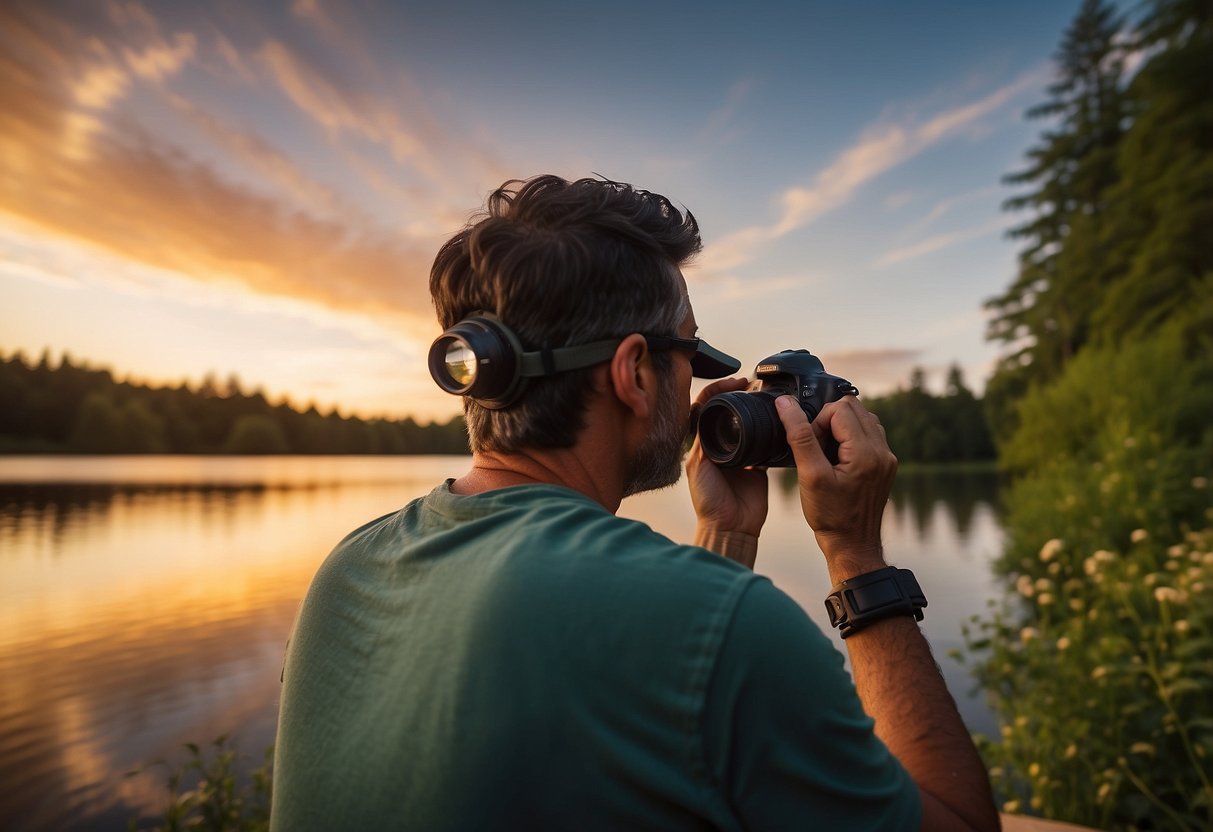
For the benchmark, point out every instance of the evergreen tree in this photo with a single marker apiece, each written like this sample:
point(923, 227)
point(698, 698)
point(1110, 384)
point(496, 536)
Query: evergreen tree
point(99, 426)
point(1044, 315)
point(256, 434)
point(1163, 218)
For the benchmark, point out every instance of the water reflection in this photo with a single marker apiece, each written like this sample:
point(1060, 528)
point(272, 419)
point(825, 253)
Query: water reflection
point(145, 603)
point(922, 496)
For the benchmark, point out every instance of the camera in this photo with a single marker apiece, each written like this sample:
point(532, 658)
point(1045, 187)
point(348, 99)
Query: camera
point(742, 429)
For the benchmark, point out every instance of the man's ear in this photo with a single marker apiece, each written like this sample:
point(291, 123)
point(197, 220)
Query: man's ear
point(631, 375)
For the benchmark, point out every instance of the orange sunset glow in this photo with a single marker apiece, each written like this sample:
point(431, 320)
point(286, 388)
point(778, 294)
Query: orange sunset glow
point(258, 190)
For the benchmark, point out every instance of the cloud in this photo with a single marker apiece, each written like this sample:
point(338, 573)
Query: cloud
point(880, 148)
point(945, 206)
point(263, 159)
point(77, 168)
point(160, 60)
point(897, 200)
point(940, 241)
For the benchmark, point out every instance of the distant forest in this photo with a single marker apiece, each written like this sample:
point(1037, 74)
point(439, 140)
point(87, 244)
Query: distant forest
point(74, 408)
point(70, 407)
point(927, 428)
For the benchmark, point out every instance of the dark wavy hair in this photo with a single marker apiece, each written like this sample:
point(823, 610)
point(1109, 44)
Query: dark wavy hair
point(563, 263)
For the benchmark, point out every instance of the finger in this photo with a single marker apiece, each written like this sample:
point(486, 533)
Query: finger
point(810, 458)
point(842, 419)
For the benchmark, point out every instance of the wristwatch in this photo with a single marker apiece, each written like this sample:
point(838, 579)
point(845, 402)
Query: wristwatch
point(857, 602)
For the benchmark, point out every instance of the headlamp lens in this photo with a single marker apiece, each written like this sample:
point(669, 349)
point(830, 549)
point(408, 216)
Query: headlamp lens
point(460, 363)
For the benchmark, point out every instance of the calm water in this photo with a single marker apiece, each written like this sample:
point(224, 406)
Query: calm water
point(145, 602)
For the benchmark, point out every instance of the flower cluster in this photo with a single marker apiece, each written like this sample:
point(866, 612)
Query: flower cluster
point(1100, 665)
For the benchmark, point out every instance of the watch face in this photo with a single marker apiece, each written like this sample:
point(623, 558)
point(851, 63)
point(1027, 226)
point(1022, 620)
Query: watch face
point(886, 592)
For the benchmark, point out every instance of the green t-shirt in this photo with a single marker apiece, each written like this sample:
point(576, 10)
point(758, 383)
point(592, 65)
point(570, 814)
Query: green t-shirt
point(525, 659)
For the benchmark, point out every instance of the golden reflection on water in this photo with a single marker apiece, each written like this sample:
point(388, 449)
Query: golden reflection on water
point(135, 617)
point(146, 602)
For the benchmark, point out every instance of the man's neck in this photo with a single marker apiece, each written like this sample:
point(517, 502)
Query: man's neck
point(568, 467)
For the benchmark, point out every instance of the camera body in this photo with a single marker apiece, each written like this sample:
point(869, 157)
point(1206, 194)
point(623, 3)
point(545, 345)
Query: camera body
point(742, 429)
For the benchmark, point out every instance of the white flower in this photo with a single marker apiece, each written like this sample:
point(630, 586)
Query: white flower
point(1182, 627)
point(1099, 672)
point(1167, 595)
point(1071, 751)
point(1104, 791)
point(1011, 807)
point(1200, 482)
point(1141, 748)
point(1050, 549)
point(1034, 770)
point(1076, 604)
point(1138, 535)
point(1063, 643)
point(1045, 599)
point(1024, 586)
point(1028, 633)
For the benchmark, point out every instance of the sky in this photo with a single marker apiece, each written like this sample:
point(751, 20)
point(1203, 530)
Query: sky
point(259, 189)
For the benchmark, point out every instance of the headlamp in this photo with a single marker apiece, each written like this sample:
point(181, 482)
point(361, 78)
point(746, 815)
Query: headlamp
point(482, 358)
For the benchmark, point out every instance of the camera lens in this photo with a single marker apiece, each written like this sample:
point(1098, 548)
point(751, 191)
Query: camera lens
point(727, 432)
point(742, 429)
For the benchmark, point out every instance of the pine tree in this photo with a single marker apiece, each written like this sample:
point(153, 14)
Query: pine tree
point(1162, 220)
point(1044, 315)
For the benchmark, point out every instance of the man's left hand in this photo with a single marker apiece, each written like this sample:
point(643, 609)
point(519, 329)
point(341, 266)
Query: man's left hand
point(728, 501)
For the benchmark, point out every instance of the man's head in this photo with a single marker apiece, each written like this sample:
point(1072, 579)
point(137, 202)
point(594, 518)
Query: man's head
point(565, 263)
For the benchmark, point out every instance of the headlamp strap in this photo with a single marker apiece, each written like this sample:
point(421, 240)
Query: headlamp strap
point(547, 362)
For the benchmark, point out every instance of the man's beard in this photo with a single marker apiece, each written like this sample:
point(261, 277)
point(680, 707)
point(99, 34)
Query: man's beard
point(657, 463)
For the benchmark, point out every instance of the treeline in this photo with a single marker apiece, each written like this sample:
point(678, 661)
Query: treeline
point(1109, 321)
point(926, 428)
point(1102, 667)
point(73, 408)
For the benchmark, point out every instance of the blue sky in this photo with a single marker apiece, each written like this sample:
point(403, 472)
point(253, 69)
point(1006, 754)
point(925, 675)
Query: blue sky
point(259, 188)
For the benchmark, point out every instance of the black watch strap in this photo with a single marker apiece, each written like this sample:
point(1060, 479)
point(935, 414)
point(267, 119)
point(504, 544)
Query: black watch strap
point(857, 602)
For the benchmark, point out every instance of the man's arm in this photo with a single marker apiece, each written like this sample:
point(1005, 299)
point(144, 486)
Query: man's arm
point(896, 677)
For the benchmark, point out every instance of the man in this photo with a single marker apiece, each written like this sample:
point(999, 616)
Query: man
point(507, 653)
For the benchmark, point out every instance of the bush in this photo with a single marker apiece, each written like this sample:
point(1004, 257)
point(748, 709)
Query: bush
point(214, 799)
point(1102, 671)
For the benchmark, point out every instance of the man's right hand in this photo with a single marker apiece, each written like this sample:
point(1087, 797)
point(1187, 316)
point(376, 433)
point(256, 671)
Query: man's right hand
point(895, 674)
point(842, 503)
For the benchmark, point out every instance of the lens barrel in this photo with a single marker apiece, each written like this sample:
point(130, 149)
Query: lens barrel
point(740, 429)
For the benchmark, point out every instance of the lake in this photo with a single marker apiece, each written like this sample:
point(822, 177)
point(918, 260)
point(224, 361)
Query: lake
point(145, 602)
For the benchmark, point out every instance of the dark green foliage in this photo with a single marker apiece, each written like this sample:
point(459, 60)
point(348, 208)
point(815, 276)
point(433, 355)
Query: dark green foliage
point(1101, 665)
point(74, 408)
point(208, 793)
point(923, 428)
point(1162, 205)
point(1045, 314)
point(256, 433)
